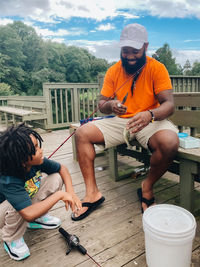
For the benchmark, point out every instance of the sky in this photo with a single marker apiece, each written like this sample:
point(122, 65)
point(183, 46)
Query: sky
point(96, 24)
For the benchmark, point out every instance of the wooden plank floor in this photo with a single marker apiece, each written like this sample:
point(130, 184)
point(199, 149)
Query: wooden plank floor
point(112, 234)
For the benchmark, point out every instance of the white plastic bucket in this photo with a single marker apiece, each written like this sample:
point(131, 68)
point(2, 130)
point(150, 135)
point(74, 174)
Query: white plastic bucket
point(169, 232)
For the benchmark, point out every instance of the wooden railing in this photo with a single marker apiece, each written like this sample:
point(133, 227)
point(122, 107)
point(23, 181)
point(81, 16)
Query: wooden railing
point(187, 112)
point(67, 103)
point(185, 83)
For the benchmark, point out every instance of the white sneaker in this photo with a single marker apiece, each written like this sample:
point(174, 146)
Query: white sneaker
point(17, 249)
point(45, 222)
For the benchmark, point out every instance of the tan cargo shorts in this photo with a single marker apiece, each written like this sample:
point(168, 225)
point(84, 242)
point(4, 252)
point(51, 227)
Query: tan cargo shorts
point(113, 131)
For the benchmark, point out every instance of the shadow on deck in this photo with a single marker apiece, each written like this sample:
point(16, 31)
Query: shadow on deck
point(113, 234)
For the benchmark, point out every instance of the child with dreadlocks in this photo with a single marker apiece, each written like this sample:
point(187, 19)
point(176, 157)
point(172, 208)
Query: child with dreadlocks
point(26, 196)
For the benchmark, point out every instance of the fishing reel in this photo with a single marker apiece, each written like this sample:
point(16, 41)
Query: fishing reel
point(72, 241)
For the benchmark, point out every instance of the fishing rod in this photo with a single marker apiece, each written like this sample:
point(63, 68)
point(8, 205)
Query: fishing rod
point(73, 242)
point(110, 98)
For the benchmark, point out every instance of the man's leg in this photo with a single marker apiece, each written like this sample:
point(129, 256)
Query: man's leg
point(86, 136)
point(163, 145)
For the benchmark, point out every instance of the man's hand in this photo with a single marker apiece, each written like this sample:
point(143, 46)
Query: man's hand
point(139, 121)
point(109, 106)
point(118, 108)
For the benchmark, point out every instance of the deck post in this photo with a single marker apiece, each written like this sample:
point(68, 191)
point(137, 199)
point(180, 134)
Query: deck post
point(187, 170)
point(113, 164)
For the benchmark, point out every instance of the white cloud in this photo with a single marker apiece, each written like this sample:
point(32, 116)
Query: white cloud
point(182, 55)
point(105, 27)
point(190, 41)
point(48, 10)
point(57, 40)
point(23, 8)
point(60, 32)
point(110, 51)
point(44, 32)
point(106, 49)
point(176, 8)
point(98, 10)
point(127, 15)
point(54, 11)
point(82, 43)
point(5, 21)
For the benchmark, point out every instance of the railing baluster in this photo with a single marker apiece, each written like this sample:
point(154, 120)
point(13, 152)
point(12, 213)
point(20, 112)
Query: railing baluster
point(93, 106)
point(61, 105)
point(83, 101)
point(66, 105)
point(56, 104)
point(72, 104)
point(88, 101)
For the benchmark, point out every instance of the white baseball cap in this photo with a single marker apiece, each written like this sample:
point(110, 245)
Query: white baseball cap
point(133, 35)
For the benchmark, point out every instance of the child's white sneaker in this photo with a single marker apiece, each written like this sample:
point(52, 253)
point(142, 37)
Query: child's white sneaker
point(17, 249)
point(45, 222)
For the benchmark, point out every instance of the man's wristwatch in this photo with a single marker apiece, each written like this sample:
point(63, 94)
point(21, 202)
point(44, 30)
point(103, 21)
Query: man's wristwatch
point(152, 116)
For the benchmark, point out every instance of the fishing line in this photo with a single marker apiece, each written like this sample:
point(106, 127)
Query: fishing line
point(110, 98)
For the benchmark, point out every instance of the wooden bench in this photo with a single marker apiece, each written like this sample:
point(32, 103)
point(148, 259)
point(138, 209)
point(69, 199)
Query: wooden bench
point(24, 109)
point(187, 162)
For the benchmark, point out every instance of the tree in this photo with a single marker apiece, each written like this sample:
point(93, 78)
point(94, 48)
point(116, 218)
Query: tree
point(5, 89)
point(4, 70)
point(33, 49)
point(11, 49)
point(187, 68)
point(164, 55)
point(98, 66)
point(77, 65)
point(195, 68)
point(32, 46)
point(42, 76)
point(26, 61)
point(55, 55)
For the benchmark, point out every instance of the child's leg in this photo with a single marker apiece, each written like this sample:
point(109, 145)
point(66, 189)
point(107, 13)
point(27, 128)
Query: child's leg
point(12, 224)
point(49, 185)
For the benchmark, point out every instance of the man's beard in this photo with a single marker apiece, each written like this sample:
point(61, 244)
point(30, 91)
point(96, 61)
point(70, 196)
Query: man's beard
point(131, 69)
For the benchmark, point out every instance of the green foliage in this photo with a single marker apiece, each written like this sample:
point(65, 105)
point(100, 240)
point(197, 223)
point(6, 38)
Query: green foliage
point(187, 68)
point(77, 64)
point(12, 58)
point(4, 70)
point(196, 68)
point(5, 89)
point(26, 61)
point(41, 76)
point(98, 66)
point(164, 55)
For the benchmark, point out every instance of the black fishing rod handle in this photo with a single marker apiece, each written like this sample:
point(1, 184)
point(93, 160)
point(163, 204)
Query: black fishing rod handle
point(64, 233)
point(81, 249)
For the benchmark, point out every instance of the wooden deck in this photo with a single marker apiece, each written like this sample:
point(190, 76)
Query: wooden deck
point(113, 234)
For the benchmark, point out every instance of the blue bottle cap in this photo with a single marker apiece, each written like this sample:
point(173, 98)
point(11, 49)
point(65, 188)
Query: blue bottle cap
point(182, 134)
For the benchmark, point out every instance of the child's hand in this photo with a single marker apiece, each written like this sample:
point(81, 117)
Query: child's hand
point(77, 201)
point(69, 200)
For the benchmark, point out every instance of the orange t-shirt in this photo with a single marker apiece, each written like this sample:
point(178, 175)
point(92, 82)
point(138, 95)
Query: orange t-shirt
point(153, 79)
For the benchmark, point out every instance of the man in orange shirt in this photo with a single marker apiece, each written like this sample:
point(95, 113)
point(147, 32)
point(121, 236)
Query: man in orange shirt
point(138, 90)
